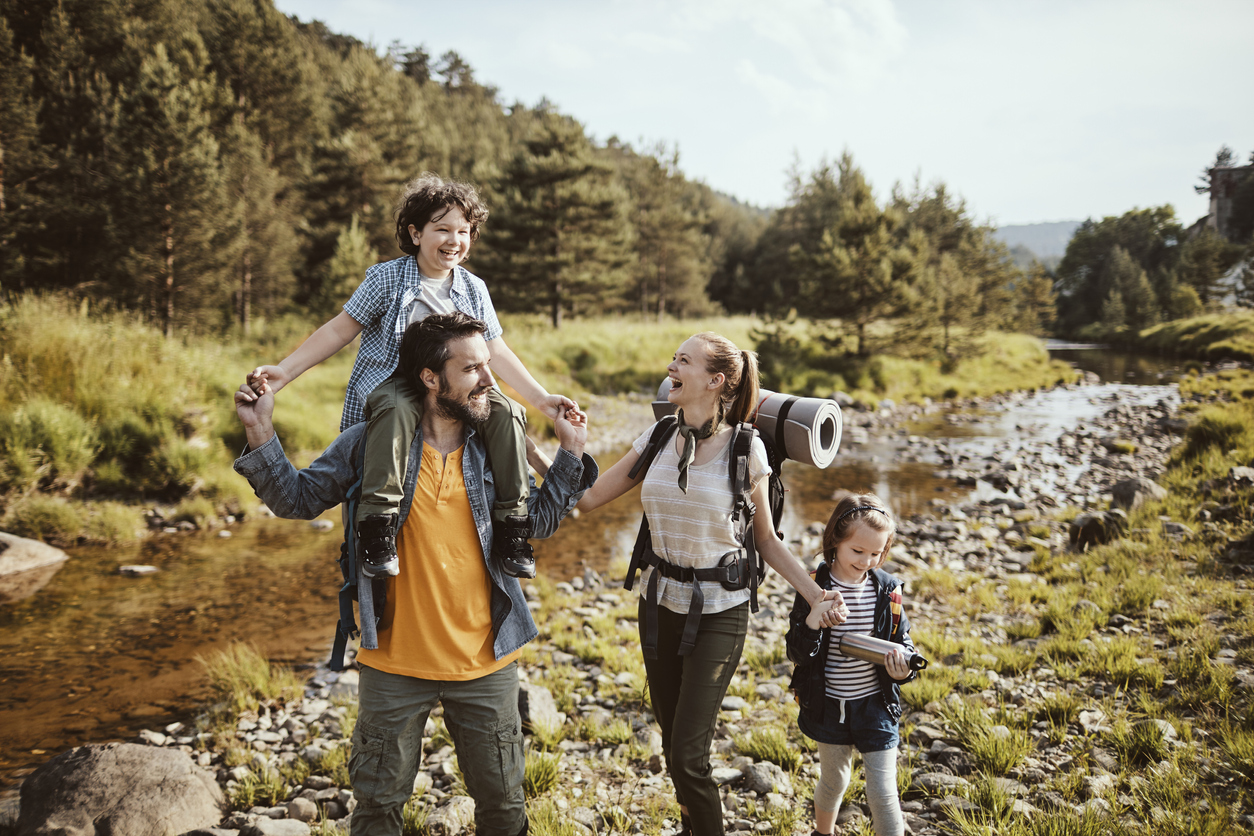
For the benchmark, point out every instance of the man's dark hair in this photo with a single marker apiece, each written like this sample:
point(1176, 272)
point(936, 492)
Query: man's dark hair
point(425, 344)
point(429, 198)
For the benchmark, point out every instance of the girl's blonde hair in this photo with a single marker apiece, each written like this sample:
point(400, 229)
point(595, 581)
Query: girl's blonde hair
point(853, 509)
point(738, 399)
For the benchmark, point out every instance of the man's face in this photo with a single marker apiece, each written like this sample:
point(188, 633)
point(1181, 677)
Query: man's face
point(465, 381)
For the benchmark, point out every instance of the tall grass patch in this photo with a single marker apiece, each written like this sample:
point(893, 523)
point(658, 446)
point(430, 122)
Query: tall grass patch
point(244, 679)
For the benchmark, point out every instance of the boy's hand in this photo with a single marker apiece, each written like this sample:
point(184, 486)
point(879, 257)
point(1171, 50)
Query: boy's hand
point(276, 376)
point(895, 664)
point(554, 405)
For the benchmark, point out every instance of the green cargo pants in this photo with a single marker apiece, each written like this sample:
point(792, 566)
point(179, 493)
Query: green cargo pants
point(393, 412)
point(482, 718)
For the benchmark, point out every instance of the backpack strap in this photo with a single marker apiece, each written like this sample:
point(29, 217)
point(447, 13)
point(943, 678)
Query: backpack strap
point(743, 509)
point(346, 626)
point(662, 431)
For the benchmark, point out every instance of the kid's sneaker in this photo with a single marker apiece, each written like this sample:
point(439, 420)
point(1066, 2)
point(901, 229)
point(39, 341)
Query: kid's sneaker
point(377, 535)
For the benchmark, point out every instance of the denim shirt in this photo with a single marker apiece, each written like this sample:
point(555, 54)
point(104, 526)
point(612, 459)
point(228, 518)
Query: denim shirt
point(304, 494)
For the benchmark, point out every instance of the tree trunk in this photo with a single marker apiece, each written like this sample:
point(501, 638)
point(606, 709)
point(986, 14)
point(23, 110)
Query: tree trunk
point(661, 285)
point(1, 179)
point(556, 312)
point(246, 280)
point(167, 231)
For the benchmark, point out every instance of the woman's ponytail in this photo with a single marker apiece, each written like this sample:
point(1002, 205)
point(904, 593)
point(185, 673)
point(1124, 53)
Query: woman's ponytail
point(738, 399)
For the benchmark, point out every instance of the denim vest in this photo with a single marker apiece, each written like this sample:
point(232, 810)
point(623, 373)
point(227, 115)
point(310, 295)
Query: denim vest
point(304, 494)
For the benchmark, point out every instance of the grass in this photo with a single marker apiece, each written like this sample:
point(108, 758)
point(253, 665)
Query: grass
point(994, 749)
point(1210, 337)
point(545, 818)
point(265, 790)
point(541, 773)
point(244, 679)
point(769, 743)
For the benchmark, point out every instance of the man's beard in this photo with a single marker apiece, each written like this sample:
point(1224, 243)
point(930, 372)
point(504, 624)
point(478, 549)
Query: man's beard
point(468, 411)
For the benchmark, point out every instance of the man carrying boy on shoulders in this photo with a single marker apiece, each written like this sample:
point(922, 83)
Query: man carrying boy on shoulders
point(453, 625)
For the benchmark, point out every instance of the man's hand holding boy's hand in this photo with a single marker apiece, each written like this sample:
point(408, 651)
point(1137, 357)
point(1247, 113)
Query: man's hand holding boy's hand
point(555, 405)
point(276, 377)
point(255, 411)
point(571, 426)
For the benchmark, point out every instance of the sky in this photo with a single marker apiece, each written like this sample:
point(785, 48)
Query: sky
point(1031, 111)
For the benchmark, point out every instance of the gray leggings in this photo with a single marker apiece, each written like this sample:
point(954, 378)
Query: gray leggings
point(836, 764)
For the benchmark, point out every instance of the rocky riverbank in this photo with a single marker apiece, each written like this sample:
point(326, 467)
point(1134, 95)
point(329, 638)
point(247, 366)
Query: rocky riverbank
point(1062, 686)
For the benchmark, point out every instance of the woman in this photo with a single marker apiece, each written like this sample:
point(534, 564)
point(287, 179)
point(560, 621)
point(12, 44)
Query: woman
point(687, 498)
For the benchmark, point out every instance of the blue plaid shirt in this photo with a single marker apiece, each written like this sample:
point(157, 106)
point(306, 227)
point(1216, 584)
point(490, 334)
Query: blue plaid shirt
point(381, 304)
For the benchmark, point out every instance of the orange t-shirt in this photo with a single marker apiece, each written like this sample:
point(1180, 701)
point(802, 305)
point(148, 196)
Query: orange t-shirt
point(439, 608)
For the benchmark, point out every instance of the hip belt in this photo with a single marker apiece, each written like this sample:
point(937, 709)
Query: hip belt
point(733, 572)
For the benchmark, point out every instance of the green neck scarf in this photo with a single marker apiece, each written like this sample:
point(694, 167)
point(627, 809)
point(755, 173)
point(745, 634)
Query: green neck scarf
point(691, 435)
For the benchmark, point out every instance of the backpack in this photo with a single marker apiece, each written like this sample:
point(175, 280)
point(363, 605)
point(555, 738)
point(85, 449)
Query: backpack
point(743, 510)
point(370, 597)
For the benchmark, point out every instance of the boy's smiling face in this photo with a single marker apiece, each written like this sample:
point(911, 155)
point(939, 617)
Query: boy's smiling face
point(443, 243)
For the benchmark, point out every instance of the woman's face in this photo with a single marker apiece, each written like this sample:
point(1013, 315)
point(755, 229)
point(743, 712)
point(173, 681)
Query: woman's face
point(691, 381)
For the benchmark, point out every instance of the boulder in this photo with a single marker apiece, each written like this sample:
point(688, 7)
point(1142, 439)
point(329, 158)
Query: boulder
point(25, 566)
point(275, 827)
point(119, 788)
point(766, 777)
point(537, 708)
point(454, 816)
point(1097, 527)
point(1131, 494)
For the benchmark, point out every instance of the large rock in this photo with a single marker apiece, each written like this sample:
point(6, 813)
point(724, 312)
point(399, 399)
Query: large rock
point(1131, 494)
point(25, 566)
point(537, 708)
point(1097, 527)
point(452, 817)
point(119, 789)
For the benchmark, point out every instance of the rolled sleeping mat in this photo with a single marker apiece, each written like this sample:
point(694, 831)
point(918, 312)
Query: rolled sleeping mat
point(806, 430)
point(875, 651)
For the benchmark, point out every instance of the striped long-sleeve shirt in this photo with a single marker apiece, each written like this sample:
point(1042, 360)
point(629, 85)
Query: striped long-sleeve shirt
point(849, 678)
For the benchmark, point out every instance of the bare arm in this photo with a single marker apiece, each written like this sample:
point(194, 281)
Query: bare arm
point(537, 459)
point(777, 556)
point(321, 344)
point(613, 483)
point(511, 370)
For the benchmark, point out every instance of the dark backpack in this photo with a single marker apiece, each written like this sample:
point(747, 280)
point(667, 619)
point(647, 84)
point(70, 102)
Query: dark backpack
point(372, 602)
point(743, 511)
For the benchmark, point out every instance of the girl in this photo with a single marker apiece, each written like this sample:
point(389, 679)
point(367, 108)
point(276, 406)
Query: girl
point(687, 498)
point(846, 702)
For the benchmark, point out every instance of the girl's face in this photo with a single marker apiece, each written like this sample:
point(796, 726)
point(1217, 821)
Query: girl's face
point(860, 552)
point(443, 243)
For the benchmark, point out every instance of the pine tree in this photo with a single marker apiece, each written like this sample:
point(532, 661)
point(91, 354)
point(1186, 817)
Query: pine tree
point(19, 151)
point(267, 244)
point(855, 270)
point(672, 253)
point(167, 165)
point(562, 237)
point(345, 270)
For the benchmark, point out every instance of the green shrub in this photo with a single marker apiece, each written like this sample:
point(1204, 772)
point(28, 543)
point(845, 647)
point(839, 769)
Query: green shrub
point(769, 744)
point(48, 518)
point(540, 773)
point(1141, 744)
point(45, 444)
point(265, 790)
point(1216, 427)
point(114, 522)
point(243, 678)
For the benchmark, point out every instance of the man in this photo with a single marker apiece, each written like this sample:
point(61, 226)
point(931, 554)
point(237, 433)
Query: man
point(453, 622)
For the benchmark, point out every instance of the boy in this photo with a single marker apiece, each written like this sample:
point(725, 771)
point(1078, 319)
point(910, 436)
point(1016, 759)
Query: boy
point(436, 222)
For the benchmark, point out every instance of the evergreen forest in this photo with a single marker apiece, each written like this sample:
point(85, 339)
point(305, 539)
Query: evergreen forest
point(214, 163)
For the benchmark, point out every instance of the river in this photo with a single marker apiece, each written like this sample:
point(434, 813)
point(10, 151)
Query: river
point(97, 656)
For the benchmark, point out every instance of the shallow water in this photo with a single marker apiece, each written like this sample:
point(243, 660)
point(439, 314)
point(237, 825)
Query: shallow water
point(96, 656)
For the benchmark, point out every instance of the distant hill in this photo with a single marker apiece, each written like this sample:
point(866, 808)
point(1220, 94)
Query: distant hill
point(1047, 241)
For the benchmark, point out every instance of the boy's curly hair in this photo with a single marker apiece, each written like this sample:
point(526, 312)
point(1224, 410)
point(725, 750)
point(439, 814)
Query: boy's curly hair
point(429, 198)
point(852, 509)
